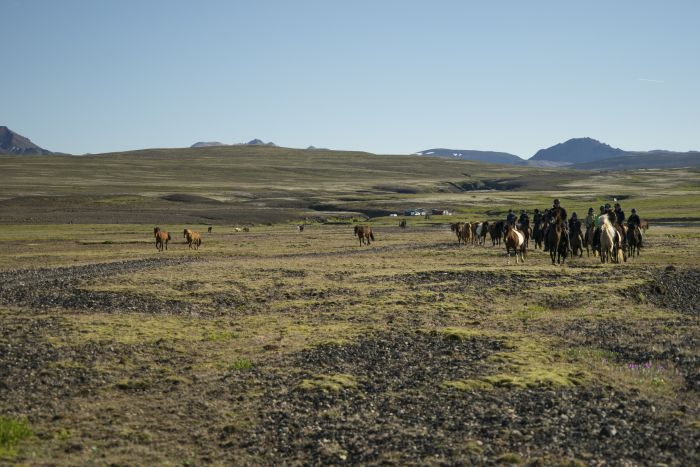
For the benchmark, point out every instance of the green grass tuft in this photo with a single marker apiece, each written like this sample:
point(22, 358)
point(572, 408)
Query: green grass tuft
point(12, 431)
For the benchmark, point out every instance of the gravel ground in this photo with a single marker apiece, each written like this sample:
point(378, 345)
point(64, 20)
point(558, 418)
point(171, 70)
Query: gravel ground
point(399, 413)
point(675, 289)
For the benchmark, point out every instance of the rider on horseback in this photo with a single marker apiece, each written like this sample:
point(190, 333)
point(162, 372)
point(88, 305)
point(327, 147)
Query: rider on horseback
point(537, 217)
point(550, 217)
point(590, 219)
point(633, 221)
point(523, 217)
point(510, 218)
point(574, 223)
point(619, 214)
point(598, 224)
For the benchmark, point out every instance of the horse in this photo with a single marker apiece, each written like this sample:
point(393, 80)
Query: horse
point(209, 229)
point(557, 241)
point(576, 240)
point(608, 234)
point(466, 232)
point(644, 224)
point(162, 238)
point(588, 240)
point(526, 230)
point(634, 240)
point(194, 239)
point(481, 230)
point(364, 233)
point(402, 223)
point(300, 228)
point(515, 240)
point(457, 229)
point(496, 232)
point(538, 234)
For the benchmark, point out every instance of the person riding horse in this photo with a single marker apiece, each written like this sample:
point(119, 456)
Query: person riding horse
point(634, 221)
point(598, 224)
point(537, 218)
point(557, 211)
point(590, 219)
point(574, 223)
point(619, 214)
point(522, 220)
point(510, 218)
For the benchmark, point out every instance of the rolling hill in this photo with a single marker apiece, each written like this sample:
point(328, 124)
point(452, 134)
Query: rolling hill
point(492, 157)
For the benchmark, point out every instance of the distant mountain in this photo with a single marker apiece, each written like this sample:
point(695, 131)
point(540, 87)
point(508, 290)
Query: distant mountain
point(644, 160)
point(471, 155)
point(259, 142)
point(13, 143)
point(577, 150)
point(207, 144)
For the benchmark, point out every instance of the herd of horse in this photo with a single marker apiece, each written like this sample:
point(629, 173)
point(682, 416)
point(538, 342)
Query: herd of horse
point(192, 238)
point(616, 242)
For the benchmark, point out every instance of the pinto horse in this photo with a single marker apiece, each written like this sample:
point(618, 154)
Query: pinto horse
point(557, 241)
point(515, 240)
point(364, 233)
point(162, 238)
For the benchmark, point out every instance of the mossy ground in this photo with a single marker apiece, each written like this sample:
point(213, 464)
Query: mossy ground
point(156, 381)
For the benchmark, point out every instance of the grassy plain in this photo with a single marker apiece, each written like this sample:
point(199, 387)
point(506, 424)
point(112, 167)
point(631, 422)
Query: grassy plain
point(273, 346)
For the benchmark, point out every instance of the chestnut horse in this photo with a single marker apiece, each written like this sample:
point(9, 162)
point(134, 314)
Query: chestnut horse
point(588, 240)
point(192, 238)
point(457, 229)
point(634, 240)
point(557, 241)
point(576, 240)
point(162, 238)
point(364, 233)
point(515, 240)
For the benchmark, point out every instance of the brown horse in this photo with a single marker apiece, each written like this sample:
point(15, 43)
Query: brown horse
point(194, 239)
point(162, 238)
point(209, 229)
point(364, 233)
point(466, 232)
point(515, 241)
point(496, 232)
point(526, 230)
point(588, 240)
point(538, 234)
point(634, 241)
point(644, 224)
point(576, 240)
point(557, 241)
point(457, 229)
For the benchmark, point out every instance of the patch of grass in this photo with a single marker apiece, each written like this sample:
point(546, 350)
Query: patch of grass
point(220, 336)
point(509, 458)
point(332, 383)
point(528, 361)
point(241, 364)
point(12, 432)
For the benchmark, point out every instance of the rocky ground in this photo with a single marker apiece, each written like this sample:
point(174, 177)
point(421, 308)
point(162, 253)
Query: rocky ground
point(312, 350)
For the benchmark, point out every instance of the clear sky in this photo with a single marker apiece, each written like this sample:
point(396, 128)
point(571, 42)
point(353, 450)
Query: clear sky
point(378, 75)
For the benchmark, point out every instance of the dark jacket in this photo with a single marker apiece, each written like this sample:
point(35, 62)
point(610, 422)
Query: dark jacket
point(511, 218)
point(523, 218)
point(620, 215)
point(554, 212)
point(634, 220)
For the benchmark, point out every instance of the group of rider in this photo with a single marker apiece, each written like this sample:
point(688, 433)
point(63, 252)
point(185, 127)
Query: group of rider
point(615, 214)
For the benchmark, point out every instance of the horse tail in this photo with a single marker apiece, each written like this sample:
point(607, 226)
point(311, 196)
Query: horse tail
point(169, 236)
point(371, 235)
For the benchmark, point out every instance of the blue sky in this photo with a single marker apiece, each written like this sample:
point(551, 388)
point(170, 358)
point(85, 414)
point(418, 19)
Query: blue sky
point(382, 76)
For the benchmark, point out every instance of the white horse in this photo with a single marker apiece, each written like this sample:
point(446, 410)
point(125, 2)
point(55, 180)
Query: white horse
point(608, 251)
